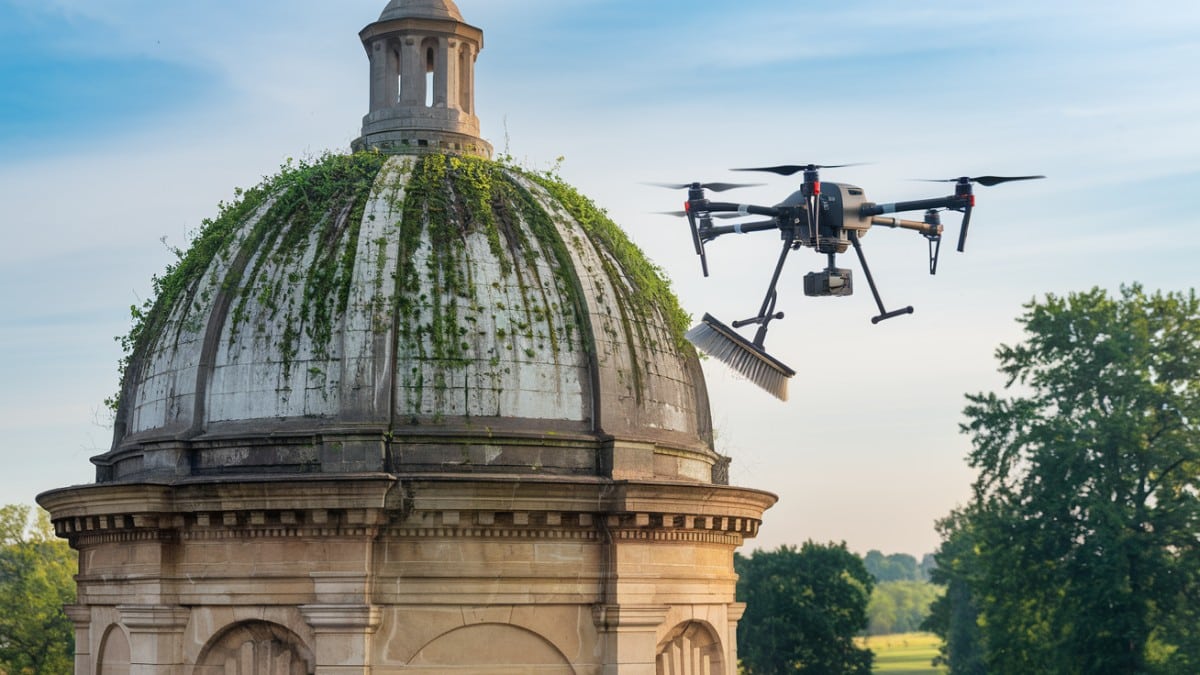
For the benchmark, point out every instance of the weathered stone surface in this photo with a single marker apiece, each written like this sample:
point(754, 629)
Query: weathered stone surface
point(536, 359)
point(420, 574)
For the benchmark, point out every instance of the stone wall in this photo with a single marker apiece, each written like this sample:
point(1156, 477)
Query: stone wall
point(429, 574)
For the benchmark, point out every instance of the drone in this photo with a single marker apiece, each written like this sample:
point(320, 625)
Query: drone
point(829, 218)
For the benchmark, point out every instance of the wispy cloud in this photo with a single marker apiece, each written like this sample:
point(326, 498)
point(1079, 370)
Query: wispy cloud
point(195, 99)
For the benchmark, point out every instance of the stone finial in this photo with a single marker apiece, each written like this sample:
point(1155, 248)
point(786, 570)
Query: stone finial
point(422, 80)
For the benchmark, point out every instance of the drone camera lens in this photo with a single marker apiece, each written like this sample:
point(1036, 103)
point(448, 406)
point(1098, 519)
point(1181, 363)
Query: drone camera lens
point(828, 283)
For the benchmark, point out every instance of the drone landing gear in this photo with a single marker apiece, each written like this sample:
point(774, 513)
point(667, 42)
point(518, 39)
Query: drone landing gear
point(883, 313)
point(767, 313)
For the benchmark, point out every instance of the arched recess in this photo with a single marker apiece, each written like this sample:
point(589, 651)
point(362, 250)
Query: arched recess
point(691, 648)
point(494, 648)
point(114, 652)
point(432, 53)
point(255, 648)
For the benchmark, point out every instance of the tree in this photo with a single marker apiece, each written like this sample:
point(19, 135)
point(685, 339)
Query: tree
point(955, 615)
point(1083, 520)
point(803, 609)
point(36, 580)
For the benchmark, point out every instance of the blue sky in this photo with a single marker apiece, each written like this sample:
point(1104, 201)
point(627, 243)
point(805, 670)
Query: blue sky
point(124, 123)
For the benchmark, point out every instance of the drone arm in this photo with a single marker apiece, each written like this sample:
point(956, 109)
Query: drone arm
point(743, 209)
point(710, 233)
point(954, 202)
point(915, 225)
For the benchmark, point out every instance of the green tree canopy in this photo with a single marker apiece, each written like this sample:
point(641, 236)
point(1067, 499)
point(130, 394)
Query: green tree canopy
point(1079, 549)
point(36, 580)
point(803, 608)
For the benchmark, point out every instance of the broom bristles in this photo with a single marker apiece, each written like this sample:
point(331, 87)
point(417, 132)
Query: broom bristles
point(723, 344)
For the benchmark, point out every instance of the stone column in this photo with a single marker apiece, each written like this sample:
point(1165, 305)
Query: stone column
point(630, 637)
point(451, 64)
point(155, 638)
point(81, 616)
point(440, 73)
point(379, 59)
point(466, 77)
point(391, 81)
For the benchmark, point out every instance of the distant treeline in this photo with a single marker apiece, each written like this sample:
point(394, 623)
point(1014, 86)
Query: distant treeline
point(898, 566)
point(902, 594)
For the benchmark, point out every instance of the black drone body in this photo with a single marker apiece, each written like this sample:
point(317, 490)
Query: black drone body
point(828, 218)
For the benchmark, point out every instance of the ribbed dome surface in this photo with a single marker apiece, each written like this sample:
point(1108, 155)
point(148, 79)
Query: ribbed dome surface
point(420, 9)
point(434, 313)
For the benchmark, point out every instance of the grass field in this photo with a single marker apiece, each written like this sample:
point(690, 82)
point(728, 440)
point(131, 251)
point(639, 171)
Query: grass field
point(904, 653)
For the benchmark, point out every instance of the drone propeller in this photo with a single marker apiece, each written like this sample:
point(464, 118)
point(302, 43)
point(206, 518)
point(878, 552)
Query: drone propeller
point(791, 169)
point(986, 181)
point(682, 214)
point(715, 187)
point(696, 195)
point(963, 188)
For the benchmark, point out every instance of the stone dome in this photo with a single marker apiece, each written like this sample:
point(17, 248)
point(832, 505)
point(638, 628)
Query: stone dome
point(421, 9)
point(404, 313)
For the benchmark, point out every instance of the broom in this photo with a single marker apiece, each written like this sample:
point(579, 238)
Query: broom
point(721, 342)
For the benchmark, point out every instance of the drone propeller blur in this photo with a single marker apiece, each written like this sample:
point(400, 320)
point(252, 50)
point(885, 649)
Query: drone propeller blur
point(826, 217)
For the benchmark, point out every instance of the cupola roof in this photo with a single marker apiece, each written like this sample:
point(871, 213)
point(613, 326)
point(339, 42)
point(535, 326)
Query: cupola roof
point(421, 9)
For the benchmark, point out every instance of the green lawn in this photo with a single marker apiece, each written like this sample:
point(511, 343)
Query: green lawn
point(904, 653)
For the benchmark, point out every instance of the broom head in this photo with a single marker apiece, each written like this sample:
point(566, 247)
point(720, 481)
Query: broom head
point(724, 344)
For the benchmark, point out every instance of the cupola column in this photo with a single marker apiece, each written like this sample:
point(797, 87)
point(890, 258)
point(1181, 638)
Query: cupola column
point(453, 74)
point(412, 73)
point(466, 78)
point(440, 72)
point(385, 73)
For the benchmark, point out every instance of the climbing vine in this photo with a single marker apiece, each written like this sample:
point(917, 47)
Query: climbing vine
point(651, 291)
point(449, 199)
point(299, 230)
point(332, 191)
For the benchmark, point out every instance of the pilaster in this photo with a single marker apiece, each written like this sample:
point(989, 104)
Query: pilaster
point(629, 633)
point(155, 638)
point(343, 636)
point(81, 617)
point(734, 614)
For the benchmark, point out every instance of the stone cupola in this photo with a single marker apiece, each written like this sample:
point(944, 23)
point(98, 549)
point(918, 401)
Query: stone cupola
point(410, 411)
point(422, 58)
